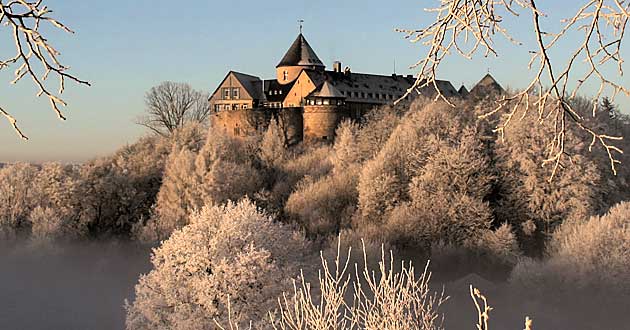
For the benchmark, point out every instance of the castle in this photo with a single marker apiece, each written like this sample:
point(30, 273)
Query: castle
point(310, 101)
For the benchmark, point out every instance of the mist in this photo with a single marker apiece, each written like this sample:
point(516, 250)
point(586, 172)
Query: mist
point(73, 286)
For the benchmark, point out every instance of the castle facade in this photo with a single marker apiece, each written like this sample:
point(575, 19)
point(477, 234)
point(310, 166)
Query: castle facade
point(308, 100)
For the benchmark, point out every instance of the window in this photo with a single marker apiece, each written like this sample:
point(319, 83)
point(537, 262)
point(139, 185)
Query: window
point(326, 102)
point(236, 93)
point(362, 95)
point(370, 95)
point(285, 74)
point(244, 106)
point(237, 131)
point(324, 137)
point(226, 107)
point(217, 107)
point(226, 93)
point(280, 92)
point(319, 102)
point(356, 94)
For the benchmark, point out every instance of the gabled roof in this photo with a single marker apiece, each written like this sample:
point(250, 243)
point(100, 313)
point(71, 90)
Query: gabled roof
point(300, 54)
point(327, 90)
point(248, 81)
point(487, 85)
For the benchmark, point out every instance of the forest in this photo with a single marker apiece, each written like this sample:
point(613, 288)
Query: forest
point(252, 232)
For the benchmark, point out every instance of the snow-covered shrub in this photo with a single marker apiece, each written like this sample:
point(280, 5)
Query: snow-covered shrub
point(324, 206)
point(233, 251)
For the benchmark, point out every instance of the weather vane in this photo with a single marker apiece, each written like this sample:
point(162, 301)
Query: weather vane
point(301, 21)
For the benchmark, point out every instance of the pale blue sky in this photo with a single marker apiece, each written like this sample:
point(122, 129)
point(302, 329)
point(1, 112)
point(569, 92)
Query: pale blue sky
point(125, 47)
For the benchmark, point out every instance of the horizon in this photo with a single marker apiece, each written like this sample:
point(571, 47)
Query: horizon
point(126, 59)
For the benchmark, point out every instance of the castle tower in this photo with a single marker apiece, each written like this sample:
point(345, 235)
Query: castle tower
point(300, 56)
point(323, 111)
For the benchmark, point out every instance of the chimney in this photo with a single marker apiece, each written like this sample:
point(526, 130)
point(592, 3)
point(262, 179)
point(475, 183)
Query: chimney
point(409, 76)
point(337, 66)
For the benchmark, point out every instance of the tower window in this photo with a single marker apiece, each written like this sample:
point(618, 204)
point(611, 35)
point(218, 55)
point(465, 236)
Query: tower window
point(285, 74)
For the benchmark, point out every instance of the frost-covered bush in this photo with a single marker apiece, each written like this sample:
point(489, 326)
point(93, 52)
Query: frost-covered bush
point(324, 206)
point(591, 253)
point(233, 251)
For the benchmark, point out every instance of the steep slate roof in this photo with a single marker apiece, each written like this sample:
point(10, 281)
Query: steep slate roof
point(463, 91)
point(327, 90)
point(300, 54)
point(487, 85)
point(274, 91)
point(249, 82)
point(396, 86)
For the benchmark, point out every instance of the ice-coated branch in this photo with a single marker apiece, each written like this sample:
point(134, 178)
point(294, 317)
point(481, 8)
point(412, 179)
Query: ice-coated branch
point(34, 56)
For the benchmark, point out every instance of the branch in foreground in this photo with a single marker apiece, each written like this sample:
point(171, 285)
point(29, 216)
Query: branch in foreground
point(34, 52)
point(475, 23)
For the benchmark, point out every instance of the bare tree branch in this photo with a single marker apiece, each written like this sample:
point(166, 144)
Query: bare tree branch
point(475, 23)
point(172, 105)
point(34, 52)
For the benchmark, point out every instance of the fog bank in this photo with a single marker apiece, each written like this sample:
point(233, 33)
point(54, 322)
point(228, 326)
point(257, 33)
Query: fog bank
point(68, 287)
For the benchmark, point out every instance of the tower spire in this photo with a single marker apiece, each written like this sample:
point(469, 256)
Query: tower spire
point(301, 21)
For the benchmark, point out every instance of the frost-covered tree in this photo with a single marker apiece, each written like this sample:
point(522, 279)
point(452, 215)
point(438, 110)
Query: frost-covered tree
point(273, 150)
point(384, 180)
point(233, 252)
point(177, 197)
point(527, 198)
point(16, 198)
point(222, 170)
point(118, 191)
point(226, 169)
point(448, 198)
point(346, 153)
point(56, 193)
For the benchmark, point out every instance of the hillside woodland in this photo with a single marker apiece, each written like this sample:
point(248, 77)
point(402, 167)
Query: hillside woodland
point(239, 224)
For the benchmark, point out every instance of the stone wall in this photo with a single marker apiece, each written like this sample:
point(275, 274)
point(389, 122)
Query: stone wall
point(320, 121)
point(241, 123)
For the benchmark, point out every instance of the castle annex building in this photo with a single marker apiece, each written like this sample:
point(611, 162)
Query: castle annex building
point(308, 99)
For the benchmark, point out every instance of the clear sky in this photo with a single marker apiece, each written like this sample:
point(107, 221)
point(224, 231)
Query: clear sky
point(125, 47)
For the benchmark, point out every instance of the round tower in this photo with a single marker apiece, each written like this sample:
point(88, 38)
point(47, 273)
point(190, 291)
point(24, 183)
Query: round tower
point(323, 111)
point(300, 56)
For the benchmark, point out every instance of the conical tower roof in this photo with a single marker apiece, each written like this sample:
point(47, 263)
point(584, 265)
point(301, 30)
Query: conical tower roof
point(328, 90)
point(487, 85)
point(300, 54)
